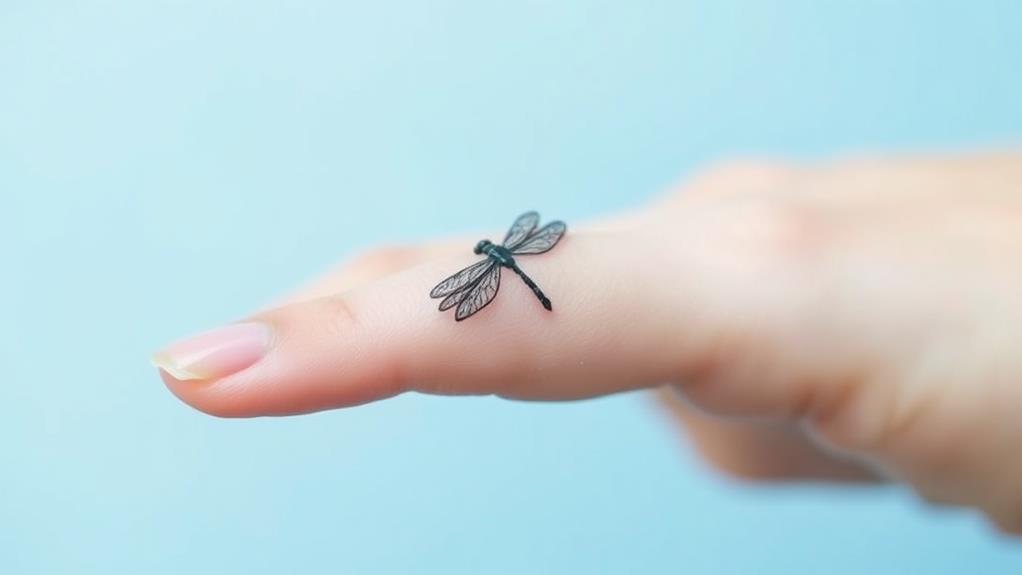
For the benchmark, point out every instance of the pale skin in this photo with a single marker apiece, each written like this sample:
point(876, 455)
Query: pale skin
point(857, 319)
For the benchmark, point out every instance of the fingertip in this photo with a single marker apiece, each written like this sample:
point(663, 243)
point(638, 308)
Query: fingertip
point(191, 392)
point(318, 356)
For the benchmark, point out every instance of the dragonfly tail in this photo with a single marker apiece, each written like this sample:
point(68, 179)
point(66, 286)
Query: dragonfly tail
point(535, 288)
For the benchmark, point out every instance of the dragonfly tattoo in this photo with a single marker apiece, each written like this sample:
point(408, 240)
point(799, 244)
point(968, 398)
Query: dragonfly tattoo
point(474, 287)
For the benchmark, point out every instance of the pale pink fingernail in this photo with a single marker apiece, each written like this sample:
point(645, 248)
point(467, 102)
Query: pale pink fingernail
point(216, 353)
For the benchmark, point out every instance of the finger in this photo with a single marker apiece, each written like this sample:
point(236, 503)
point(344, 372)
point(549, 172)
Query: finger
point(732, 181)
point(700, 299)
point(612, 328)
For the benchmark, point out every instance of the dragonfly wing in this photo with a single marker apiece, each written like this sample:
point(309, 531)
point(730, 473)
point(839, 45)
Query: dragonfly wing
point(462, 279)
point(521, 229)
point(542, 239)
point(479, 295)
point(456, 297)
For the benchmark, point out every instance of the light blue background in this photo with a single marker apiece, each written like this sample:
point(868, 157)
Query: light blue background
point(169, 165)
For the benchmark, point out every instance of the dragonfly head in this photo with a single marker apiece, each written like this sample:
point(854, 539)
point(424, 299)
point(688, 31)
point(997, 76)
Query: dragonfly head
point(482, 245)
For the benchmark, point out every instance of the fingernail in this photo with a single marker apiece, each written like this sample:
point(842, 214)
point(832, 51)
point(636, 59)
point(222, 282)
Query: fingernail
point(216, 353)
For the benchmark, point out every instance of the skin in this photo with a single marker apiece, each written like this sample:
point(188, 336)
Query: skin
point(852, 320)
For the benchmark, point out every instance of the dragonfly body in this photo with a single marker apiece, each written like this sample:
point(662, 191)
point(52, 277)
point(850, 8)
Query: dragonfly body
point(500, 254)
point(474, 287)
point(503, 256)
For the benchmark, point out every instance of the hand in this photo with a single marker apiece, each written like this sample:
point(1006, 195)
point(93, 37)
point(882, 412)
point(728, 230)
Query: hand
point(845, 321)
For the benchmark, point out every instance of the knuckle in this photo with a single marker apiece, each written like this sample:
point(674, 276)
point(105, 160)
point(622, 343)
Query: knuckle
point(745, 174)
point(752, 208)
point(770, 231)
point(338, 313)
point(387, 258)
